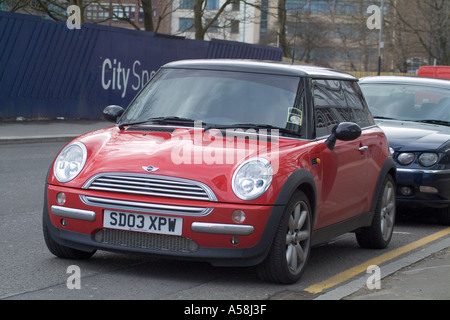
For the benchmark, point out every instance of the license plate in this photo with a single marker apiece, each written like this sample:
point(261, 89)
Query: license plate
point(143, 222)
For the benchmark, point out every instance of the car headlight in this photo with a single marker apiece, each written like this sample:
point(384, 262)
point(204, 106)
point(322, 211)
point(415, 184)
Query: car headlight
point(70, 162)
point(428, 159)
point(252, 178)
point(405, 158)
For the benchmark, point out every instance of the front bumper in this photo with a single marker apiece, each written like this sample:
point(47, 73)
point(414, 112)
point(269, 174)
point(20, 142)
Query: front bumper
point(423, 188)
point(211, 237)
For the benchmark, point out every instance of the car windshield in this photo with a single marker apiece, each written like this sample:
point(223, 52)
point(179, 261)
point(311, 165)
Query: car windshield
point(408, 102)
point(218, 99)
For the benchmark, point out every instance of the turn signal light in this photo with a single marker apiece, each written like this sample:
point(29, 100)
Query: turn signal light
point(61, 198)
point(238, 216)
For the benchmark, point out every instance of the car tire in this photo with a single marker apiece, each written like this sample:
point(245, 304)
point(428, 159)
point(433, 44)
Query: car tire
point(63, 251)
point(291, 246)
point(379, 234)
point(443, 216)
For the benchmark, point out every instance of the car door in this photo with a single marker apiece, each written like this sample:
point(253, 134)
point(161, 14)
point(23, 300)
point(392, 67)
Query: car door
point(342, 190)
point(370, 141)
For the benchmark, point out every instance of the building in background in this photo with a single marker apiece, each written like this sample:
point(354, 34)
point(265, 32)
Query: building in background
point(331, 33)
point(239, 20)
point(129, 14)
point(119, 13)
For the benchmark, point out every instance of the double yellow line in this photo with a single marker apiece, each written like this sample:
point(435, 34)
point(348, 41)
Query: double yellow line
point(350, 273)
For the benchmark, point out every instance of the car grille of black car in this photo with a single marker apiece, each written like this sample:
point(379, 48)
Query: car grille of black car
point(151, 185)
point(158, 242)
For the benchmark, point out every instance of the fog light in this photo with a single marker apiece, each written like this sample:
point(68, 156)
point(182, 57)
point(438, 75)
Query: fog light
point(63, 222)
point(61, 198)
point(406, 191)
point(235, 241)
point(427, 189)
point(238, 216)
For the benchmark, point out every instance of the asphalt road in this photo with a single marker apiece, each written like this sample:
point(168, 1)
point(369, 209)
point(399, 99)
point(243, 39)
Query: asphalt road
point(29, 271)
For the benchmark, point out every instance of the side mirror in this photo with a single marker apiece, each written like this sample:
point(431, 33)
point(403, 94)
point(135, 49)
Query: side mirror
point(112, 113)
point(345, 131)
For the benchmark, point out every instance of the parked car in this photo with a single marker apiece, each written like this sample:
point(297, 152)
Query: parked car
point(441, 72)
point(237, 163)
point(415, 115)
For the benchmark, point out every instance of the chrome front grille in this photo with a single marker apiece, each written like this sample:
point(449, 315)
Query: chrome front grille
point(151, 185)
point(150, 241)
point(148, 207)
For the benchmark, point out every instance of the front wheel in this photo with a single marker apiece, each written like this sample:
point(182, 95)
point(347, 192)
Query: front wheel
point(379, 234)
point(291, 245)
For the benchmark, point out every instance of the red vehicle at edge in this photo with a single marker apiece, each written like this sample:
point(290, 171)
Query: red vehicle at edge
point(231, 162)
point(440, 72)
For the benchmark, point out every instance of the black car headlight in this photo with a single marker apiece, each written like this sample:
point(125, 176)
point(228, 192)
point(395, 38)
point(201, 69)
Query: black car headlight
point(406, 158)
point(428, 159)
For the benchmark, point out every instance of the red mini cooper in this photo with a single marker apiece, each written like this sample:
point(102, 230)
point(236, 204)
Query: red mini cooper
point(237, 163)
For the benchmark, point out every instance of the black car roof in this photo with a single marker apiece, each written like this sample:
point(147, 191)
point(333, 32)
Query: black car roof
point(267, 67)
point(430, 82)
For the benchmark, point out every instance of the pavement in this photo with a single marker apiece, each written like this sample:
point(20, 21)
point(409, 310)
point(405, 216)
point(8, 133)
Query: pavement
point(18, 132)
point(427, 279)
point(423, 274)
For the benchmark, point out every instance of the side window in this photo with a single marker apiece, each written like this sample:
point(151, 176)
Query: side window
point(337, 101)
point(328, 100)
point(357, 105)
point(295, 116)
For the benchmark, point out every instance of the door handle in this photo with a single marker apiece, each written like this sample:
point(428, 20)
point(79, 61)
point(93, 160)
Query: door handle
point(362, 149)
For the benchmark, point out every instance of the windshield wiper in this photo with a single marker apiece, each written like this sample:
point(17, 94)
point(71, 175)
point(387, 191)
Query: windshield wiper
point(440, 122)
point(384, 118)
point(178, 120)
point(251, 126)
point(159, 120)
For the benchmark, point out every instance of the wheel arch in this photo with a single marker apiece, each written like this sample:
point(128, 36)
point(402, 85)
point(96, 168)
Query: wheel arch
point(388, 168)
point(300, 180)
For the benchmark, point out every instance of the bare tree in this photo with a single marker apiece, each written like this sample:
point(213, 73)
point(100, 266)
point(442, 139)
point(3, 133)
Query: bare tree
point(282, 32)
point(351, 36)
point(429, 22)
point(56, 10)
point(309, 33)
point(203, 22)
point(292, 28)
point(153, 23)
point(166, 9)
point(148, 14)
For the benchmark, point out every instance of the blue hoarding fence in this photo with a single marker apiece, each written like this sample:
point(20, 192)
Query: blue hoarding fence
point(50, 71)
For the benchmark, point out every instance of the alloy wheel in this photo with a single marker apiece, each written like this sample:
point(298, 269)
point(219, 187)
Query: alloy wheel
point(298, 237)
point(387, 210)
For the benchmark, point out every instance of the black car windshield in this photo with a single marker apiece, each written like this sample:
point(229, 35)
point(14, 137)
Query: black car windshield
point(217, 98)
point(408, 102)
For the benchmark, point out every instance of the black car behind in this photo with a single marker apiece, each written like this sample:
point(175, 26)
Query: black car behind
point(415, 115)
